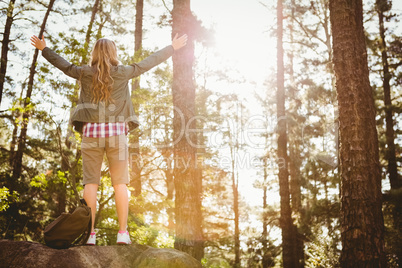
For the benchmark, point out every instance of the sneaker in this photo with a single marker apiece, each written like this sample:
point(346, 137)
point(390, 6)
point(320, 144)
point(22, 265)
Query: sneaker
point(92, 239)
point(123, 238)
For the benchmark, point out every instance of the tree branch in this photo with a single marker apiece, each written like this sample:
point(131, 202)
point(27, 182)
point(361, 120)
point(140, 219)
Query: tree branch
point(163, 1)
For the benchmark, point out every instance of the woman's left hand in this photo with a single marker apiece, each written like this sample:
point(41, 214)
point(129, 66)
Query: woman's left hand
point(38, 43)
point(180, 42)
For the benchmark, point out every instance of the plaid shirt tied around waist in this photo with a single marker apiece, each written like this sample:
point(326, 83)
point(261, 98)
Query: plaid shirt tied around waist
point(104, 130)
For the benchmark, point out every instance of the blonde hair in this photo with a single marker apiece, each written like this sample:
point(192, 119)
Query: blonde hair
point(104, 56)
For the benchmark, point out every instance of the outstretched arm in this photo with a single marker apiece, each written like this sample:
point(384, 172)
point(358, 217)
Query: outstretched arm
point(157, 57)
point(56, 60)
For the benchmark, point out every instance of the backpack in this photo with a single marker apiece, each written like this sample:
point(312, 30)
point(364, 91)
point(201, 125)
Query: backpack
point(69, 228)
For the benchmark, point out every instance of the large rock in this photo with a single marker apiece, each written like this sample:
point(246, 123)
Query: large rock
point(32, 254)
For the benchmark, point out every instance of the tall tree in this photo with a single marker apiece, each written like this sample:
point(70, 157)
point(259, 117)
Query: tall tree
point(267, 260)
point(235, 189)
point(265, 263)
point(362, 223)
point(4, 45)
point(17, 164)
point(189, 237)
point(294, 146)
point(135, 138)
point(383, 6)
point(288, 235)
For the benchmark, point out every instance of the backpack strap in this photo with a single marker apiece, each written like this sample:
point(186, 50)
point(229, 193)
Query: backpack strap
point(83, 202)
point(84, 237)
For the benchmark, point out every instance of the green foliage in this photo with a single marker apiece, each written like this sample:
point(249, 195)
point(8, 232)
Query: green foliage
point(215, 263)
point(322, 252)
point(150, 236)
point(261, 252)
point(62, 176)
point(39, 181)
point(6, 198)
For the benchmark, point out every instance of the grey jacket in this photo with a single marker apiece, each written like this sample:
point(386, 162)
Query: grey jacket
point(121, 110)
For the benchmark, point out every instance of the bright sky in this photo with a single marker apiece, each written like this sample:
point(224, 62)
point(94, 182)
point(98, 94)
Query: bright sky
point(241, 34)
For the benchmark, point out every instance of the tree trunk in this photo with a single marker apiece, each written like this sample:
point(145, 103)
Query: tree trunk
point(17, 164)
point(362, 223)
point(167, 158)
point(389, 123)
point(13, 142)
point(170, 196)
point(4, 46)
point(296, 208)
point(295, 158)
point(189, 237)
point(286, 222)
point(235, 188)
point(392, 169)
point(95, 9)
point(134, 138)
point(294, 152)
point(265, 257)
point(139, 10)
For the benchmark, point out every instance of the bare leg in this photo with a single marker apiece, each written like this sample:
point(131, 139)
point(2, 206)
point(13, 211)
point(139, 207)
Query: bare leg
point(90, 194)
point(121, 197)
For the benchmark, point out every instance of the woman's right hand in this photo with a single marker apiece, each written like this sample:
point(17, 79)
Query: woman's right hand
point(180, 42)
point(38, 43)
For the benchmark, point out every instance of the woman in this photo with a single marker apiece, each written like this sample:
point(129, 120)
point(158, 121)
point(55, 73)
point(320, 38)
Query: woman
point(104, 114)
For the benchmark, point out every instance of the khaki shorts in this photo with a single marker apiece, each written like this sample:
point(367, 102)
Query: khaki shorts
point(93, 149)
